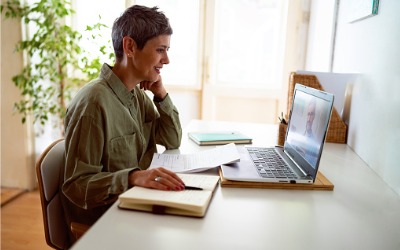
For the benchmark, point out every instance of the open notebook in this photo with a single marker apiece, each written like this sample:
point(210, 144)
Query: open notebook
point(187, 202)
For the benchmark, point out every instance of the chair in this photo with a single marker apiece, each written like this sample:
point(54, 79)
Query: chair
point(48, 170)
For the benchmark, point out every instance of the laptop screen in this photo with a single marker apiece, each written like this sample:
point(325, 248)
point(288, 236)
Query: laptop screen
point(307, 128)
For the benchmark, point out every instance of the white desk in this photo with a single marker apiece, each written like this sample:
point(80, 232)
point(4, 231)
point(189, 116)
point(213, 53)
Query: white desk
point(362, 212)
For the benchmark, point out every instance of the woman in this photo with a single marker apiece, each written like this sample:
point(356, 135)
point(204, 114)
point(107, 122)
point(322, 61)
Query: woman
point(112, 126)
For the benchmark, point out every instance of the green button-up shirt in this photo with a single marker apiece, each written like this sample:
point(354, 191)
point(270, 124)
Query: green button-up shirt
point(110, 131)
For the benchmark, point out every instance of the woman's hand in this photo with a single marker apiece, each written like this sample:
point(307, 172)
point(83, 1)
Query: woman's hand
point(157, 88)
point(157, 178)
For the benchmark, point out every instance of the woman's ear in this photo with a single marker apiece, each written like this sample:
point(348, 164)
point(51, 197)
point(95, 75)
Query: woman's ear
point(129, 46)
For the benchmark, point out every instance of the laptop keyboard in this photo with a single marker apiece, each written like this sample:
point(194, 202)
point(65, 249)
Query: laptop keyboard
point(270, 164)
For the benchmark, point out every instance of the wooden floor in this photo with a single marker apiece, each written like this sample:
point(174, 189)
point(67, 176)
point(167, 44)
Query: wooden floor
point(8, 194)
point(22, 223)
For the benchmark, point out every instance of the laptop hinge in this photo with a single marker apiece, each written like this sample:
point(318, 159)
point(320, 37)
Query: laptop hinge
point(297, 165)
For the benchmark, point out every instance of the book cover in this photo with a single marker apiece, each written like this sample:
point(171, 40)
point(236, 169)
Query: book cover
point(219, 138)
point(187, 202)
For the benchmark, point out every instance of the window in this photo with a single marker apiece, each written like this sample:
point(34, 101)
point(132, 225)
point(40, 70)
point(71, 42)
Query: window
point(89, 12)
point(245, 37)
point(224, 53)
point(247, 42)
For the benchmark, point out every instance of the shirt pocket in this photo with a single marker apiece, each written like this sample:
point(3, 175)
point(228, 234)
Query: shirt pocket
point(123, 152)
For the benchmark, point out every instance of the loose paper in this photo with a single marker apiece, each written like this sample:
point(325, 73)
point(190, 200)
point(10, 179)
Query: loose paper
point(197, 162)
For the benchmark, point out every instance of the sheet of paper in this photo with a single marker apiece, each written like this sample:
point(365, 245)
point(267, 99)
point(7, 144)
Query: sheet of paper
point(203, 160)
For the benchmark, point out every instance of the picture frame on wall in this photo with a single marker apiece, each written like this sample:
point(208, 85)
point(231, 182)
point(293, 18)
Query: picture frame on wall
point(362, 9)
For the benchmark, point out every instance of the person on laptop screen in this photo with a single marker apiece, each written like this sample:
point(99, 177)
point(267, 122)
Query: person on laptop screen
point(307, 139)
point(310, 119)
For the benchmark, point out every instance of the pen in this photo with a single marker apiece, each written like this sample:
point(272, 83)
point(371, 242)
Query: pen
point(192, 188)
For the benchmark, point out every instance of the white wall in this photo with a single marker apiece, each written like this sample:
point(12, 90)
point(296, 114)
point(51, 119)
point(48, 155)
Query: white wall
point(371, 47)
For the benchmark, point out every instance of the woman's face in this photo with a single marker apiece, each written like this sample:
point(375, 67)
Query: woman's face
point(149, 61)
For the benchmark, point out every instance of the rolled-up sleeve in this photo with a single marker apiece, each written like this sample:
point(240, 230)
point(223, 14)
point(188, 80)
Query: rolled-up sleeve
point(168, 130)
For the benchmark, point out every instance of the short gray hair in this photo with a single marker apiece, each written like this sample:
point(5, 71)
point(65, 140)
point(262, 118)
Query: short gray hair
point(140, 23)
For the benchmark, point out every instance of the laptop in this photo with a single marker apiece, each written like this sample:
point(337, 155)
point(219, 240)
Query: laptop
point(298, 160)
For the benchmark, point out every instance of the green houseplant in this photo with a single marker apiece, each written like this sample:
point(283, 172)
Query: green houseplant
point(56, 64)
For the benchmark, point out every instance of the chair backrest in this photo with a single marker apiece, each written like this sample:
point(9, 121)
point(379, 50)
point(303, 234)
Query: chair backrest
point(48, 170)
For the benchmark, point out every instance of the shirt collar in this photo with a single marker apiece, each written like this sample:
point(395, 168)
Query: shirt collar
point(116, 85)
